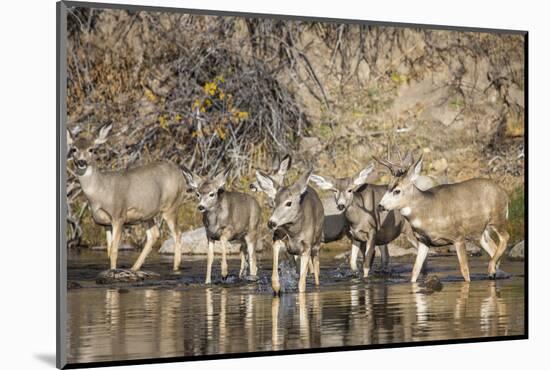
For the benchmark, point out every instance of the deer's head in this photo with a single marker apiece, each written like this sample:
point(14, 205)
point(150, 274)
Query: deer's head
point(287, 200)
point(83, 148)
point(343, 188)
point(401, 188)
point(277, 173)
point(207, 190)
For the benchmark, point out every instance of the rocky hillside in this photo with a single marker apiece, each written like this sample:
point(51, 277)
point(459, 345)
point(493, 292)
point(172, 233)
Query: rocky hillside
point(210, 91)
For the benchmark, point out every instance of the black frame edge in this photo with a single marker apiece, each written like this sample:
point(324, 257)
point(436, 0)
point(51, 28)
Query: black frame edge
point(61, 197)
point(213, 12)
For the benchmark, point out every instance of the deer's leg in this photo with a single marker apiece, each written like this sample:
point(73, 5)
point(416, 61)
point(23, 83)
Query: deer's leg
point(243, 261)
point(152, 236)
point(421, 254)
point(251, 240)
point(316, 267)
point(117, 237)
point(385, 257)
point(503, 237)
point(487, 243)
point(369, 257)
point(355, 246)
point(109, 237)
point(310, 267)
point(412, 239)
point(275, 269)
point(225, 245)
point(172, 222)
point(209, 260)
point(463, 259)
point(304, 263)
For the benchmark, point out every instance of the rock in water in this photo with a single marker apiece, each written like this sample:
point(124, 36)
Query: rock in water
point(124, 276)
point(434, 283)
point(195, 242)
point(518, 251)
point(73, 285)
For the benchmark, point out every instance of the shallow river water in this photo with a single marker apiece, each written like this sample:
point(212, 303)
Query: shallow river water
point(179, 316)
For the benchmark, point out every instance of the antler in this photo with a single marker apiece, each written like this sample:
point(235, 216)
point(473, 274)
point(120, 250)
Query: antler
point(395, 169)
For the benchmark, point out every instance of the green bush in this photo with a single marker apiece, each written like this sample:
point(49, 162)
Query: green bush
point(516, 215)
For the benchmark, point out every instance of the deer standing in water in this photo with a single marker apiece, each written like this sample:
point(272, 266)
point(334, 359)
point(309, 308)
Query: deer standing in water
point(297, 221)
point(129, 197)
point(450, 214)
point(227, 216)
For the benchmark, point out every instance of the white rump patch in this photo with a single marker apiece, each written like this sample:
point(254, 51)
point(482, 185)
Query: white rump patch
point(416, 223)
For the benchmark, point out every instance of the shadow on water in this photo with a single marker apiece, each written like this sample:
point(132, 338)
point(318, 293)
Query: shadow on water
point(180, 316)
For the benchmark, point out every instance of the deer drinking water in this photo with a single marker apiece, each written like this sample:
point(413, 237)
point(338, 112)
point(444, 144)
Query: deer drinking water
point(450, 214)
point(128, 197)
point(297, 219)
point(227, 216)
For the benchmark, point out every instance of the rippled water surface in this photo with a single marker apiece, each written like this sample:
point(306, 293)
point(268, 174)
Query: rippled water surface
point(180, 316)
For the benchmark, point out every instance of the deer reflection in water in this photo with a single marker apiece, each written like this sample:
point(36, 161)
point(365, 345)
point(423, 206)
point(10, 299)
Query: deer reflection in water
point(107, 324)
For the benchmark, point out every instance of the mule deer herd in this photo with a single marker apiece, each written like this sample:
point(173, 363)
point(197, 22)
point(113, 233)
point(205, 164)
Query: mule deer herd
point(427, 214)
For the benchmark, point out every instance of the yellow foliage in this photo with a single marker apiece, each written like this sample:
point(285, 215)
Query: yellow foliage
point(150, 96)
point(241, 116)
point(196, 104)
point(221, 132)
point(210, 88)
point(398, 78)
point(163, 122)
point(178, 117)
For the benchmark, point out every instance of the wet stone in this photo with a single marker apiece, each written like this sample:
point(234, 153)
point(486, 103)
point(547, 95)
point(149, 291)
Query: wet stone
point(73, 285)
point(433, 283)
point(125, 276)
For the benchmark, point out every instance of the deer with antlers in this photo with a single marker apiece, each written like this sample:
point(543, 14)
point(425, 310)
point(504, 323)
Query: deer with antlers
point(449, 214)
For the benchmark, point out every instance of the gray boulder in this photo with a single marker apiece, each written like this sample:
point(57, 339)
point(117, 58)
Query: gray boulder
point(194, 242)
point(517, 251)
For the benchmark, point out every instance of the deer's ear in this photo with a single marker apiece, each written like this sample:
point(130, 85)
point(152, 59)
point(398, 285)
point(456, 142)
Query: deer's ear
point(300, 186)
point(266, 184)
point(103, 133)
point(192, 179)
point(221, 178)
point(414, 171)
point(284, 165)
point(70, 139)
point(361, 178)
point(325, 183)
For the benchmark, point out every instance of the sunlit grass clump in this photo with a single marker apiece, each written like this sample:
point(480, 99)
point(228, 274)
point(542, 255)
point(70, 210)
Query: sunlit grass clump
point(516, 215)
